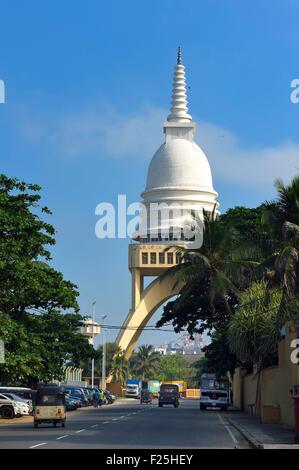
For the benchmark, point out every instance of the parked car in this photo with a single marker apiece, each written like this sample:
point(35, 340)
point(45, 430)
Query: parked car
point(24, 407)
point(76, 400)
point(169, 395)
point(89, 394)
point(70, 404)
point(9, 408)
point(77, 392)
point(110, 398)
point(26, 393)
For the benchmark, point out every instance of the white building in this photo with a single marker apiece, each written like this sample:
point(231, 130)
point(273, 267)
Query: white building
point(179, 178)
point(179, 173)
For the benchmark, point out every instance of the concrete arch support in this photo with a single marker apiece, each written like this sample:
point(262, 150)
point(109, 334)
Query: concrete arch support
point(157, 292)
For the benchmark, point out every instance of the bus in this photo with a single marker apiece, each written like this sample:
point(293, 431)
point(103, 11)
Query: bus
point(214, 392)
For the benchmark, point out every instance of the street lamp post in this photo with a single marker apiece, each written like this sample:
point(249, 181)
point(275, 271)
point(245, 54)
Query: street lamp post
point(104, 353)
point(92, 361)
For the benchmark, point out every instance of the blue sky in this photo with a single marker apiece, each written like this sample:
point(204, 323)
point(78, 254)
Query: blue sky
point(88, 87)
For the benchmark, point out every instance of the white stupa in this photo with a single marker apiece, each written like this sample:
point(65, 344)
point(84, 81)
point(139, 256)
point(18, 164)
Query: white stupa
point(179, 172)
point(179, 176)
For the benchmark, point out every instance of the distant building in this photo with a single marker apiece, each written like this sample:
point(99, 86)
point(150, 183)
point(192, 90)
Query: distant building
point(183, 346)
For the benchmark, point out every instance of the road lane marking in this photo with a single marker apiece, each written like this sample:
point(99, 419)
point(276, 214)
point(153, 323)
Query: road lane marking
point(80, 430)
point(115, 419)
point(38, 445)
point(106, 422)
point(62, 437)
point(227, 429)
point(94, 426)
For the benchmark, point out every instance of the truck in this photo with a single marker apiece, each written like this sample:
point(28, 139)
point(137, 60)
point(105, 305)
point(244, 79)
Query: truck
point(214, 392)
point(133, 388)
point(153, 387)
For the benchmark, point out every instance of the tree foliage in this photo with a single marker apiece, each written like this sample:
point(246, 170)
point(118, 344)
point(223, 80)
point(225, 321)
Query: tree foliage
point(39, 340)
point(120, 369)
point(173, 367)
point(245, 253)
point(144, 362)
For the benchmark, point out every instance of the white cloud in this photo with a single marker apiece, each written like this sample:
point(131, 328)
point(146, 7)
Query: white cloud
point(247, 167)
point(107, 133)
point(104, 132)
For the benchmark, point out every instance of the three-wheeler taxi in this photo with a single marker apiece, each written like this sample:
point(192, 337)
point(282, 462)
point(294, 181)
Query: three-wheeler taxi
point(50, 406)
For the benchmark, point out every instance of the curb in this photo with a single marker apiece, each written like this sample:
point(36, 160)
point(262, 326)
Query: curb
point(249, 437)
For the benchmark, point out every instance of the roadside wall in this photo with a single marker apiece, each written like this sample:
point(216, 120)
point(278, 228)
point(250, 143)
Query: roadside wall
point(276, 386)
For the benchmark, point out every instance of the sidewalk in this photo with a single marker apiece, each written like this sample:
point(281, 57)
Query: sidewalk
point(21, 420)
point(262, 436)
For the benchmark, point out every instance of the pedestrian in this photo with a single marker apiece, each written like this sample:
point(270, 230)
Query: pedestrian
point(96, 398)
point(101, 397)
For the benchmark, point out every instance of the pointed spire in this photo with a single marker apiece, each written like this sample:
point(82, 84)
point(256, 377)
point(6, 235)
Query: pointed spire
point(179, 61)
point(179, 108)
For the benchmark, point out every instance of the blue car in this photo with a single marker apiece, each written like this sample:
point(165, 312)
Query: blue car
point(70, 404)
point(78, 393)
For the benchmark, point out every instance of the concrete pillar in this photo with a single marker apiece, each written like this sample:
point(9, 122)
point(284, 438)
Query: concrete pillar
point(137, 287)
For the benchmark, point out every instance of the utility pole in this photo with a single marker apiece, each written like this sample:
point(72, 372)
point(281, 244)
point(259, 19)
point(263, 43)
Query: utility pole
point(92, 361)
point(104, 353)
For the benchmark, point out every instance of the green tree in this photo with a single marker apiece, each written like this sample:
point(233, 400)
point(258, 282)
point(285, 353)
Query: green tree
point(120, 369)
point(282, 219)
point(218, 357)
point(213, 277)
point(173, 367)
point(112, 349)
point(200, 367)
point(144, 362)
point(38, 340)
point(254, 330)
point(26, 280)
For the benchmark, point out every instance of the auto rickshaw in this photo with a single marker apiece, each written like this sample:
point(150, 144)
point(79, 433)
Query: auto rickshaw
point(50, 406)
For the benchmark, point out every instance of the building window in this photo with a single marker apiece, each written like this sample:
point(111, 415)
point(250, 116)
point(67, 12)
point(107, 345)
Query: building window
point(169, 258)
point(161, 258)
point(144, 258)
point(153, 258)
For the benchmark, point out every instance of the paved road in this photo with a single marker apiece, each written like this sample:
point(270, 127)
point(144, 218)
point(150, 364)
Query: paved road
point(127, 424)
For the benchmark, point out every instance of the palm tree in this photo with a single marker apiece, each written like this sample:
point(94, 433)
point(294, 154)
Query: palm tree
point(213, 274)
point(282, 217)
point(120, 369)
point(144, 363)
point(254, 331)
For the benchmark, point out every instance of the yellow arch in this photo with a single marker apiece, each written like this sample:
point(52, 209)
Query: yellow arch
point(156, 293)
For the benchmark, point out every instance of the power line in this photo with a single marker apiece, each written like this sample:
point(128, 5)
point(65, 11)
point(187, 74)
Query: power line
point(134, 328)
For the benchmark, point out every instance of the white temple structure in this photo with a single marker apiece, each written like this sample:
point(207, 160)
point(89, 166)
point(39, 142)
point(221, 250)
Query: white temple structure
point(179, 176)
point(179, 173)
